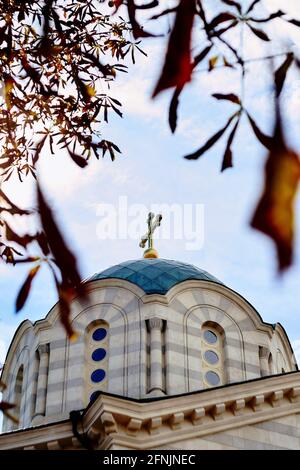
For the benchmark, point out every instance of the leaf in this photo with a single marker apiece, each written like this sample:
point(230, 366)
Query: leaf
point(84, 89)
point(295, 22)
point(25, 289)
point(212, 62)
point(4, 405)
point(13, 209)
point(175, 101)
point(9, 83)
point(78, 159)
point(281, 72)
point(226, 63)
point(259, 33)
point(210, 142)
point(65, 260)
point(272, 16)
point(11, 235)
point(177, 69)
point(8, 253)
point(146, 6)
point(66, 295)
point(110, 146)
point(137, 30)
point(56, 21)
point(38, 149)
point(264, 139)
point(163, 13)
point(173, 109)
point(227, 159)
point(116, 3)
point(29, 259)
point(3, 386)
point(220, 32)
point(274, 215)
point(106, 70)
point(221, 18)
point(199, 57)
point(229, 97)
point(31, 72)
point(63, 257)
point(232, 3)
point(252, 5)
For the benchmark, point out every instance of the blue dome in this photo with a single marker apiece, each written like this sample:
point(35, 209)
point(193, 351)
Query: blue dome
point(154, 276)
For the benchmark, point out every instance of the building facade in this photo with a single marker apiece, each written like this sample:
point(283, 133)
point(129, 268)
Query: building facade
point(166, 357)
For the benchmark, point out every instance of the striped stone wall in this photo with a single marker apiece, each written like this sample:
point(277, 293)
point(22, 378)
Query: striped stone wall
point(280, 434)
point(154, 347)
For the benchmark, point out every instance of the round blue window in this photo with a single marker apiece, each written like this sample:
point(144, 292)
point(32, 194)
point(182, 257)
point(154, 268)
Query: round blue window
point(94, 395)
point(98, 375)
point(99, 334)
point(212, 378)
point(99, 354)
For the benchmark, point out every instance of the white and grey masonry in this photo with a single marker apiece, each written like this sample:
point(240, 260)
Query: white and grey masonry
point(151, 328)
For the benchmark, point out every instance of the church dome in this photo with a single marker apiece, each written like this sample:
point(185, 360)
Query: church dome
point(179, 340)
point(154, 276)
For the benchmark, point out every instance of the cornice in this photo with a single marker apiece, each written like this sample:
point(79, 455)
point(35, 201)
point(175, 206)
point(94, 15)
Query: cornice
point(116, 421)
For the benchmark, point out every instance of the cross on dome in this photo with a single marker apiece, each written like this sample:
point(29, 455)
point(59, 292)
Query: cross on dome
point(153, 222)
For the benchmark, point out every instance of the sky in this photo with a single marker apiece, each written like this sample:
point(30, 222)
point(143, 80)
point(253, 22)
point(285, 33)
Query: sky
point(151, 170)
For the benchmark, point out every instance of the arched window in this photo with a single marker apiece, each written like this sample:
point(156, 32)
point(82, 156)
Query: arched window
point(212, 343)
point(18, 392)
point(270, 363)
point(281, 365)
point(96, 341)
point(36, 366)
point(263, 353)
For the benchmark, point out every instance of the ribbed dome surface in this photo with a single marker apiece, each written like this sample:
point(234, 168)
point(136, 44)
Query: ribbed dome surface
point(154, 276)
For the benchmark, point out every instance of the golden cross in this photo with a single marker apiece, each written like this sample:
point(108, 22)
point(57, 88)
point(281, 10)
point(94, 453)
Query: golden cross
point(153, 222)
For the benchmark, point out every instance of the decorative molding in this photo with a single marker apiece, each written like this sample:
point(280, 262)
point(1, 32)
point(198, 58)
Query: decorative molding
point(43, 349)
point(264, 352)
point(257, 401)
point(155, 323)
point(134, 426)
point(238, 406)
point(154, 425)
point(148, 425)
point(197, 416)
point(276, 397)
point(109, 423)
point(218, 411)
point(176, 420)
point(294, 394)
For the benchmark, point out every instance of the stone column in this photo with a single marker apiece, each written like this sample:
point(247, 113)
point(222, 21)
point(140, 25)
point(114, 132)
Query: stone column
point(40, 407)
point(156, 386)
point(263, 360)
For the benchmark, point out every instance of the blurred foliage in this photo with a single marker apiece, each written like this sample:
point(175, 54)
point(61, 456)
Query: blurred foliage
point(222, 46)
point(56, 59)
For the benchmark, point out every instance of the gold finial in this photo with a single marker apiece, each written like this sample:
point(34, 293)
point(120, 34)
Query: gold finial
point(153, 222)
